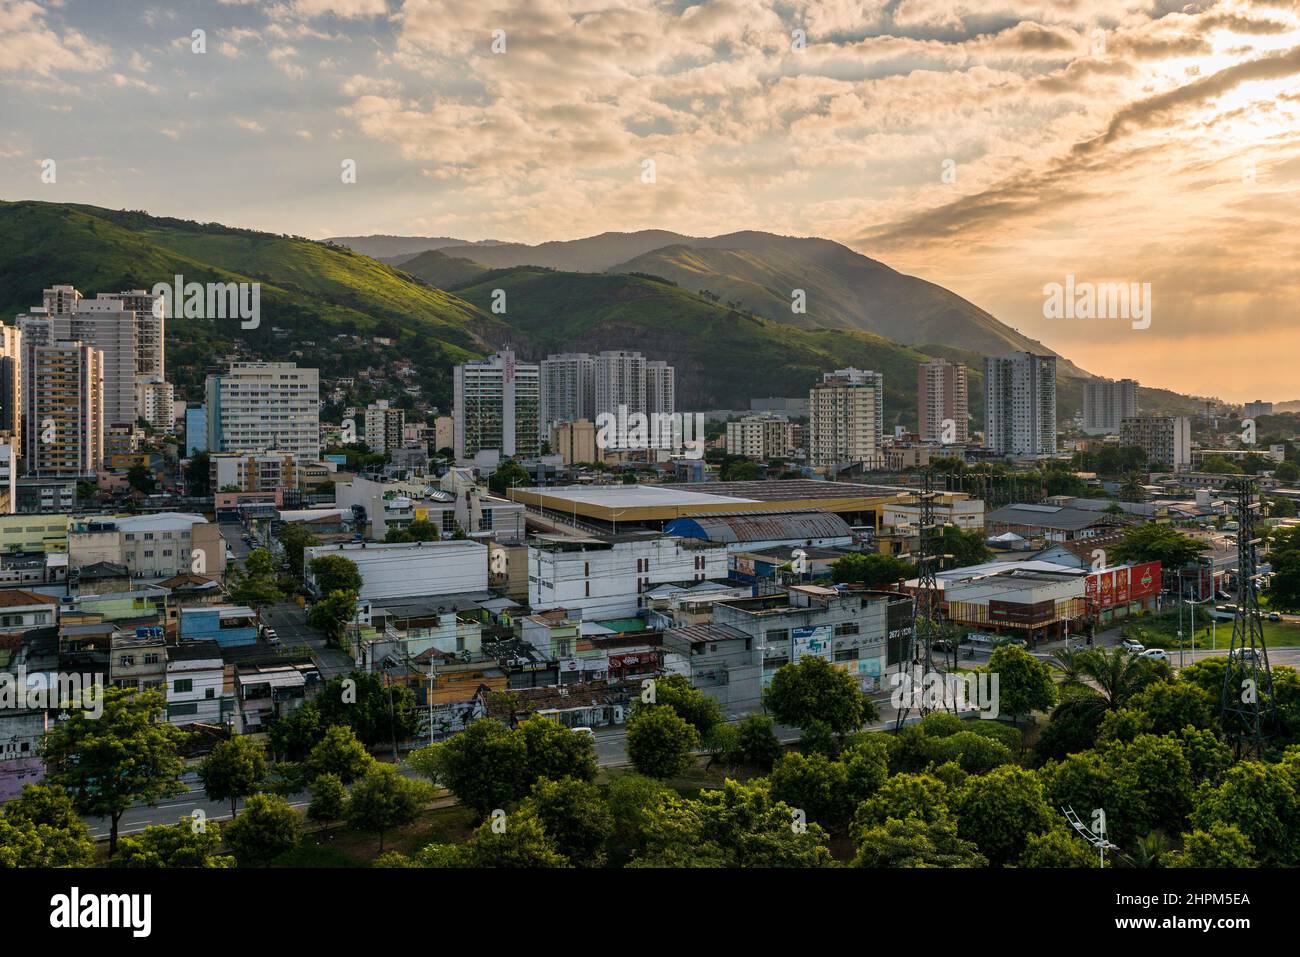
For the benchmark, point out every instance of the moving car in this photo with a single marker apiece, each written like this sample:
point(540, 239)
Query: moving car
point(1156, 654)
point(1131, 644)
point(1274, 616)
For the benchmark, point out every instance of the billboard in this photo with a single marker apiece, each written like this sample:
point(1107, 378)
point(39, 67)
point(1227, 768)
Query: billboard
point(814, 640)
point(1119, 586)
point(1144, 580)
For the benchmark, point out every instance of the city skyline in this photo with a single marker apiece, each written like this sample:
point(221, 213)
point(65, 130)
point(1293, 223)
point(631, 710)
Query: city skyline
point(991, 151)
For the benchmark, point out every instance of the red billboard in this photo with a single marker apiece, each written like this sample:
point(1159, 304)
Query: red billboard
point(1119, 586)
point(1144, 580)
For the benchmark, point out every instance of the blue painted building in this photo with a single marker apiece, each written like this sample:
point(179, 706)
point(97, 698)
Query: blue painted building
point(196, 430)
point(230, 626)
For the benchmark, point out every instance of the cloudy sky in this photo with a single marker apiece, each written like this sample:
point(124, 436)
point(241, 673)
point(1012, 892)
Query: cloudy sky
point(993, 146)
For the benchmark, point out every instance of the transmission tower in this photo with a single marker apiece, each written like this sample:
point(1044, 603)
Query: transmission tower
point(1248, 709)
point(926, 627)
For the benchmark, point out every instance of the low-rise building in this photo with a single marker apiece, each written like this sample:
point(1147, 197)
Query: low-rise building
point(230, 626)
point(196, 684)
point(403, 569)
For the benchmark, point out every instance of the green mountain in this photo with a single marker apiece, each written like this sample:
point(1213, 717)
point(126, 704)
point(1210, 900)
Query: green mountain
point(310, 291)
point(723, 356)
point(441, 270)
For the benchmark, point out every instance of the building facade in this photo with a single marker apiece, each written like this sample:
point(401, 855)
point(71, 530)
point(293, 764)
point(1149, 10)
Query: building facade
point(497, 407)
point(264, 406)
point(1020, 404)
point(845, 419)
point(1107, 403)
point(941, 395)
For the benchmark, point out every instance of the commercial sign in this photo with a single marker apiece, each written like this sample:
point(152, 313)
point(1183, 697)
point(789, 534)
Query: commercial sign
point(1119, 586)
point(811, 641)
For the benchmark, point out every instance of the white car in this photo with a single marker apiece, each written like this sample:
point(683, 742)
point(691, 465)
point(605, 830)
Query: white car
point(585, 730)
point(1130, 645)
point(1156, 654)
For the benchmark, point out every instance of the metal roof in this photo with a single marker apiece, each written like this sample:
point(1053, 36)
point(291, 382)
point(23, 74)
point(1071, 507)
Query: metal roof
point(1048, 516)
point(768, 527)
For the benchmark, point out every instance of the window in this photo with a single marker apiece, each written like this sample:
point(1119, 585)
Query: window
point(181, 685)
point(777, 634)
point(846, 628)
point(127, 661)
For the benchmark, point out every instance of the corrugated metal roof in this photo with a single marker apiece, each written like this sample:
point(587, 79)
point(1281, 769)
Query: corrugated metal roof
point(768, 527)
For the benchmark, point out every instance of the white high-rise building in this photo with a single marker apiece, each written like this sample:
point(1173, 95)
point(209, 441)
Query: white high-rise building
point(109, 327)
point(151, 352)
point(1107, 403)
point(264, 407)
point(11, 386)
point(496, 407)
point(620, 392)
point(764, 435)
point(384, 427)
point(1166, 439)
point(567, 389)
point(1020, 404)
point(846, 419)
point(660, 387)
point(155, 402)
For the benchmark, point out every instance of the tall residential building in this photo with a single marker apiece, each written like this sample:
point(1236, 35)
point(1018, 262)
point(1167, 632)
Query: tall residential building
point(155, 402)
point(575, 442)
point(660, 388)
point(264, 407)
point(941, 394)
point(1253, 410)
point(568, 389)
point(63, 409)
point(1107, 403)
point(764, 435)
point(620, 381)
point(1166, 439)
point(1020, 404)
point(845, 419)
point(496, 407)
point(384, 427)
point(11, 386)
point(149, 321)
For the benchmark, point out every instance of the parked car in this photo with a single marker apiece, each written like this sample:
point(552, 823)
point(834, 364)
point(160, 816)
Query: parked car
point(585, 731)
point(1156, 654)
point(1243, 653)
point(1131, 644)
point(1274, 616)
point(271, 636)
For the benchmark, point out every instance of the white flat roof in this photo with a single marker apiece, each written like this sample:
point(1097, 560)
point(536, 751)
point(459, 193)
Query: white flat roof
point(636, 496)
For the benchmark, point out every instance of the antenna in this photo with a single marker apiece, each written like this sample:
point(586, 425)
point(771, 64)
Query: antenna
point(1247, 705)
point(1097, 838)
point(926, 626)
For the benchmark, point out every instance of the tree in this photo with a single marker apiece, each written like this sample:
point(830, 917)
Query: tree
point(725, 747)
point(1283, 589)
point(554, 751)
point(515, 841)
point(1287, 472)
point(1157, 543)
point(1151, 787)
point(485, 766)
point(509, 475)
point(903, 796)
point(295, 538)
point(1057, 847)
point(335, 573)
point(1024, 683)
point(815, 690)
point(1263, 802)
point(871, 569)
point(128, 755)
point(267, 828)
point(198, 479)
point(255, 584)
point(913, 842)
point(383, 800)
point(1171, 706)
point(339, 753)
point(999, 810)
point(973, 753)
point(184, 844)
point(233, 770)
point(660, 742)
point(574, 816)
point(41, 828)
point(141, 479)
point(739, 470)
point(741, 825)
point(1118, 674)
point(758, 741)
point(814, 784)
point(328, 798)
point(693, 705)
point(332, 613)
point(376, 711)
point(1073, 725)
point(1222, 845)
point(965, 546)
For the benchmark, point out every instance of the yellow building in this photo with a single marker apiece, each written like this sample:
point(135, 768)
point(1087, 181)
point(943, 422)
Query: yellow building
point(34, 533)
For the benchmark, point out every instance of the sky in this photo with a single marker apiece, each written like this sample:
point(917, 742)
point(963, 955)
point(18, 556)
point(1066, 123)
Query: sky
point(991, 146)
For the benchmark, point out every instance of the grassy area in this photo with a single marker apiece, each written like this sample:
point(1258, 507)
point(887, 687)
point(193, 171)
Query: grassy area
point(1162, 632)
point(338, 846)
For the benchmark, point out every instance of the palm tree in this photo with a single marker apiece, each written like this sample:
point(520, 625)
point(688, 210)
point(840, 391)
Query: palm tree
point(1066, 660)
point(1149, 851)
point(1117, 673)
point(1131, 490)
